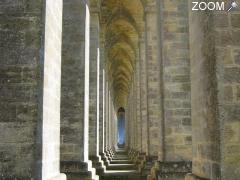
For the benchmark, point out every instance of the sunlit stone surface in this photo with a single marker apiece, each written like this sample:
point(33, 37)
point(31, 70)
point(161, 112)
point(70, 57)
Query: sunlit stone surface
point(118, 89)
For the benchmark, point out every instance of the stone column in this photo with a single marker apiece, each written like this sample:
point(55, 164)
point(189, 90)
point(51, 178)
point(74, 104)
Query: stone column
point(94, 86)
point(214, 50)
point(127, 121)
point(51, 92)
point(114, 128)
point(95, 94)
point(175, 75)
point(30, 71)
point(133, 113)
point(154, 103)
point(138, 104)
point(206, 144)
point(135, 94)
point(75, 90)
point(133, 118)
point(143, 92)
point(106, 112)
point(129, 112)
point(101, 101)
point(110, 120)
point(105, 154)
point(227, 52)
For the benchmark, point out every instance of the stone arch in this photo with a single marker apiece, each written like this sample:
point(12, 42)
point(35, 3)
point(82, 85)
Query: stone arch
point(123, 21)
point(125, 15)
point(120, 38)
point(125, 58)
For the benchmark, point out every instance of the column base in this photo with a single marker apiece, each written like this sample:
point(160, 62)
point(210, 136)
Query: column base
point(59, 177)
point(79, 170)
point(163, 170)
point(98, 164)
point(191, 176)
point(105, 159)
point(147, 165)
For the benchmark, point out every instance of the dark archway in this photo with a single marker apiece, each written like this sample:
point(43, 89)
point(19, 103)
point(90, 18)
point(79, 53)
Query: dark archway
point(121, 127)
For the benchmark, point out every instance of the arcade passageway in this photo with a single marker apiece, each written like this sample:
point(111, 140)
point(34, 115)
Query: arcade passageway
point(118, 89)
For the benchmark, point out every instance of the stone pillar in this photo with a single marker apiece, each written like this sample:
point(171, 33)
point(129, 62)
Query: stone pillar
point(94, 86)
point(75, 90)
point(51, 92)
point(127, 121)
point(227, 52)
point(95, 94)
point(134, 112)
point(138, 104)
point(110, 120)
point(214, 50)
point(105, 154)
point(129, 112)
point(175, 75)
point(143, 92)
point(30, 71)
point(204, 97)
point(101, 101)
point(114, 128)
point(154, 103)
point(206, 145)
point(106, 112)
point(132, 120)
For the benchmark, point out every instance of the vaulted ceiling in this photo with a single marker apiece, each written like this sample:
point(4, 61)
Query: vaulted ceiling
point(122, 24)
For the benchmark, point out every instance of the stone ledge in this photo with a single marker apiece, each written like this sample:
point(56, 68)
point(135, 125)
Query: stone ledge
point(78, 169)
point(98, 164)
point(73, 166)
point(15, 177)
point(191, 176)
point(175, 167)
point(59, 177)
point(164, 170)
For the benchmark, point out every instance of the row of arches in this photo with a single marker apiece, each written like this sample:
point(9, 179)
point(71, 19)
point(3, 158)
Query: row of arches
point(80, 79)
point(122, 27)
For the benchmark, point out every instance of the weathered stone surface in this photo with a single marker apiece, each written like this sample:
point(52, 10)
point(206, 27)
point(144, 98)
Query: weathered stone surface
point(14, 56)
point(175, 72)
point(26, 74)
point(205, 125)
point(72, 91)
point(176, 79)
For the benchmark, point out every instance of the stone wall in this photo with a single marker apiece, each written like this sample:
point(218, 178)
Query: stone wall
point(20, 31)
point(227, 53)
point(215, 107)
point(178, 79)
point(203, 97)
point(73, 74)
point(174, 47)
point(30, 89)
